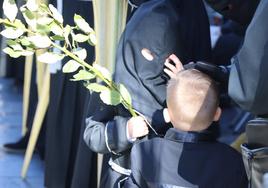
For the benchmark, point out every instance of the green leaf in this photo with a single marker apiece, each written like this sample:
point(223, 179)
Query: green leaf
point(96, 87)
point(14, 45)
point(124, 93)
point(56, 29)
point(32, 5)
point(26, 52)
point(66, 32)
point(40, 41)
point(83, 75)
point(56, 15)
point(19, 24)
point(29, 17)
point(82, 24)
point(6, 23)
point(92, 39)
point(42, 29)
point(110, 97)
point(70, 66)
point(10, 9)
point(103, 71)
point(11, 52)
point(49, 57)
point(15, 54)
point(81, 53)
point(57, 37)
point(11, 42)
point(43, 7)
point(12, 33)
point(44, 20)
point(25, 42)
point(80, 37)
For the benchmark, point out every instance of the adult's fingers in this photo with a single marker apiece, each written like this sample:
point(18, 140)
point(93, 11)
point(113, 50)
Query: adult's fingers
point(169, 73)
point(172, 67)
point(177, 61)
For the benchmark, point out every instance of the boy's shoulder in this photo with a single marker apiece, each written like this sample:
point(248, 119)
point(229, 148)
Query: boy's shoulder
point(225, 148)
point(224, 152)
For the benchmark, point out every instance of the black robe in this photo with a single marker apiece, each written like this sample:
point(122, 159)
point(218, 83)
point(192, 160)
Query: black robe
point(248, 78)
point(85, 167)
point(65, 118)
point(164, 27)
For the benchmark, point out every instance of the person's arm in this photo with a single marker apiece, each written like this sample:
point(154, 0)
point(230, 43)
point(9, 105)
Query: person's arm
point(240, 11)
point(249, 76)
point(105, 132)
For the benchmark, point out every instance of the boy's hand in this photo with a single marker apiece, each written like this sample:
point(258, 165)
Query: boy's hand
point(137, 127)
point(173, 68)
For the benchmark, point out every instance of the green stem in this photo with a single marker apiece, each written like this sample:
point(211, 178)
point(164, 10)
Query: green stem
point(98, 74)
point(7, 22)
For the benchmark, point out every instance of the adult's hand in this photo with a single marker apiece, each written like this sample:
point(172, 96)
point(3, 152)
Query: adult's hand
point(173, 66)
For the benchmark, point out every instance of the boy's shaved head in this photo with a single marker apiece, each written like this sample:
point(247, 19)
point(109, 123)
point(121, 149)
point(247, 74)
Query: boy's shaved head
point(192, 100)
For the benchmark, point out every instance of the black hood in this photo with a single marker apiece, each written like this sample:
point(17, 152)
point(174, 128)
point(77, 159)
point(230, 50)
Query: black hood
point(164, 27)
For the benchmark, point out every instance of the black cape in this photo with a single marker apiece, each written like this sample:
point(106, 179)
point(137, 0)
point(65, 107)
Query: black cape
point(248, 78)
point(164, 27)
point(65, 118)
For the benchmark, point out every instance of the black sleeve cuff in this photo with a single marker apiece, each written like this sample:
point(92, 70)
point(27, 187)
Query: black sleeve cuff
point(116, 135)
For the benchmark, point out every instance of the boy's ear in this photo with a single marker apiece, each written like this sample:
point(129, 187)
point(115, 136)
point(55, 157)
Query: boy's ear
point(166, 115)
point(217, 114)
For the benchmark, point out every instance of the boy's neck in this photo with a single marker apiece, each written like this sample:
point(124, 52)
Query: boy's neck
point(185, 127)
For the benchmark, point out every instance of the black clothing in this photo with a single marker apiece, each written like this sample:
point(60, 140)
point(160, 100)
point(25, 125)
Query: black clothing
point(240, 11)
point(185, 159)
point(106, 133)
point(65, 119)
point(228, 44)
point(106, 128)
point(15, 68)
point(85, 167)
point(164, 27)
point(248, 77)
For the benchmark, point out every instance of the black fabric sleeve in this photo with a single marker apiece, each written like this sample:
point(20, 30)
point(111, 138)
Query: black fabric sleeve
point(116, 134)
point(94, 136)
point(105, 132)
point(248, 76)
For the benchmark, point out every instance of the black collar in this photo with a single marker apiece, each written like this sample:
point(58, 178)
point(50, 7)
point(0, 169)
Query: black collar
point(181, 136)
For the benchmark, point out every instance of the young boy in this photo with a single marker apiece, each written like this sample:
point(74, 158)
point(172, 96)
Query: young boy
point(188, 156)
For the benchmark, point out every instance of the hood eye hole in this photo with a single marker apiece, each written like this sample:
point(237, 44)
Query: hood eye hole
point(147, 54)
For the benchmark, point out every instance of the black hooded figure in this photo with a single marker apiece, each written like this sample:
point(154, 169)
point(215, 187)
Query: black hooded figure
point(163, 27)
